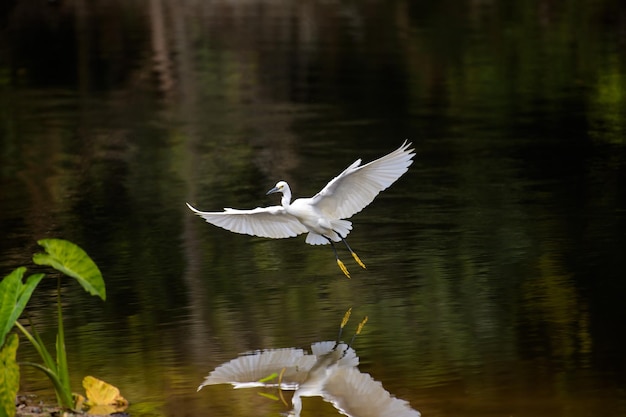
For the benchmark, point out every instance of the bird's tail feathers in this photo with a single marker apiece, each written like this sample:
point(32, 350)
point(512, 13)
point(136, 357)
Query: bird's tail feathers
point(341, 228)
point(315, 239)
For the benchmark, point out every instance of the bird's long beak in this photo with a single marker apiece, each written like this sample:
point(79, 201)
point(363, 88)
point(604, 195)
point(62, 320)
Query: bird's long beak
point(272, 191)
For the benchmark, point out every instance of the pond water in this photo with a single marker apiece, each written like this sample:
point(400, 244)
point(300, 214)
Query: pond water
point(494, 282)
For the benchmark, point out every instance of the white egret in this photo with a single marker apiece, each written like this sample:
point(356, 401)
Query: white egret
point(330, 371)
point(323, 215)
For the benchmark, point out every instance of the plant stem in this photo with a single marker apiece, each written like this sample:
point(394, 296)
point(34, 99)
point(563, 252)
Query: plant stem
point(62, 367)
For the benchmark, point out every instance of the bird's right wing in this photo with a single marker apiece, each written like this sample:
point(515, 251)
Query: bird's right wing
point(273, 222)
point(264, 368)
point(357, 394)
point(358, 185)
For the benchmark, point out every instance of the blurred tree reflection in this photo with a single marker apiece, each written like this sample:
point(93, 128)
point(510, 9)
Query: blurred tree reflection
point(509, 236)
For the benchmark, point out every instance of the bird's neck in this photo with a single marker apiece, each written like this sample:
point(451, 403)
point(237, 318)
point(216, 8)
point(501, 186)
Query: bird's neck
point(296, 402)
point(286, 198)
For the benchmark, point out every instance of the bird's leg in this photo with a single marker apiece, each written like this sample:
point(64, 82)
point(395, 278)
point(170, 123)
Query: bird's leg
point(280, 388)
point(358, 330)
point(346, 317)
point(354, 255)
point(341, 265)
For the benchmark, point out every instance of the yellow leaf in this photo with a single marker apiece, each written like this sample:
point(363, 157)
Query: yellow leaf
point(103, 410)
point(79, 401)
point(102, 396)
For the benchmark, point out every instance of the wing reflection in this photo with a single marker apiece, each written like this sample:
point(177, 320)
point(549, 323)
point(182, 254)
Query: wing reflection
point(329, 371)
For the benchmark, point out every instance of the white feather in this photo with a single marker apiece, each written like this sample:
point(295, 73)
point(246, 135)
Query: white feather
point(357, 186)
point(272, 222)
point(321, 215)
point(357, 394)
point(247, 370)
point(330, 372)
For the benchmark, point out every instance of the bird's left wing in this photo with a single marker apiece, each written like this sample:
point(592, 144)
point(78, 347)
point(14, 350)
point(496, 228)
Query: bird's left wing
point(273, 222)
point(358, 185)
point(273, 367)
point(357, 394)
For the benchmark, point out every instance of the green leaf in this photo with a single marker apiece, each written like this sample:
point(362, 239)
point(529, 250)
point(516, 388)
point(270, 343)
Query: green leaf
point(66, 257)
point(9, 289)
point(65, 398)
point(63, 371)
point(9, 377)
point(38, 344)
point(13, 298)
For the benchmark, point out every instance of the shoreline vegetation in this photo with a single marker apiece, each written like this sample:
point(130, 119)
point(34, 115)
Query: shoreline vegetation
point(32, 405)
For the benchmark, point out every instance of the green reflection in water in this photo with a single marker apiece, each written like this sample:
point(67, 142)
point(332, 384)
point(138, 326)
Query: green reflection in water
point(494, 268)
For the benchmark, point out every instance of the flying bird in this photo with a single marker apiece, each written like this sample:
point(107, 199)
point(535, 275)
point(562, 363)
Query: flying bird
point(330, 371)
point(323, 215)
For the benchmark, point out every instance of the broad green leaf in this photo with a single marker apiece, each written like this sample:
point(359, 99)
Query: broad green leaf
point(70, 259)
point(25, 293)
point(9, 377)
point(13, 298)
point(9, 289)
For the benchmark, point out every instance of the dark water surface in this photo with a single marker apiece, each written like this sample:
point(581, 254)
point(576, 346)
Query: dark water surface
point(495, 282)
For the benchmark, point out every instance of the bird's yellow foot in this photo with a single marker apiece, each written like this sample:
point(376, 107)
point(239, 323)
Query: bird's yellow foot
point(361, 324)
point(358, 260)
point(346, 317)
point(343, 268)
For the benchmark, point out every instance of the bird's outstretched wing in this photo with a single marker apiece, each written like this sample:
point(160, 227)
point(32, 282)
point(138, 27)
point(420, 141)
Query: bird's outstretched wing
point(358, 185)
point(253, 369)
point(273, 222)
point(357, 394)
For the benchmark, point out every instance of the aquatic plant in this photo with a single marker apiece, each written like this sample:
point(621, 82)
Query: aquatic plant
point(71, 261)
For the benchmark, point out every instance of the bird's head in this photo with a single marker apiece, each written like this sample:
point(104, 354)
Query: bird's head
point(281, 187)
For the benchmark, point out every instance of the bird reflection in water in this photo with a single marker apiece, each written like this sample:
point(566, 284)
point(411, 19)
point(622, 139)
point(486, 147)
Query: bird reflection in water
point(330, 371)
